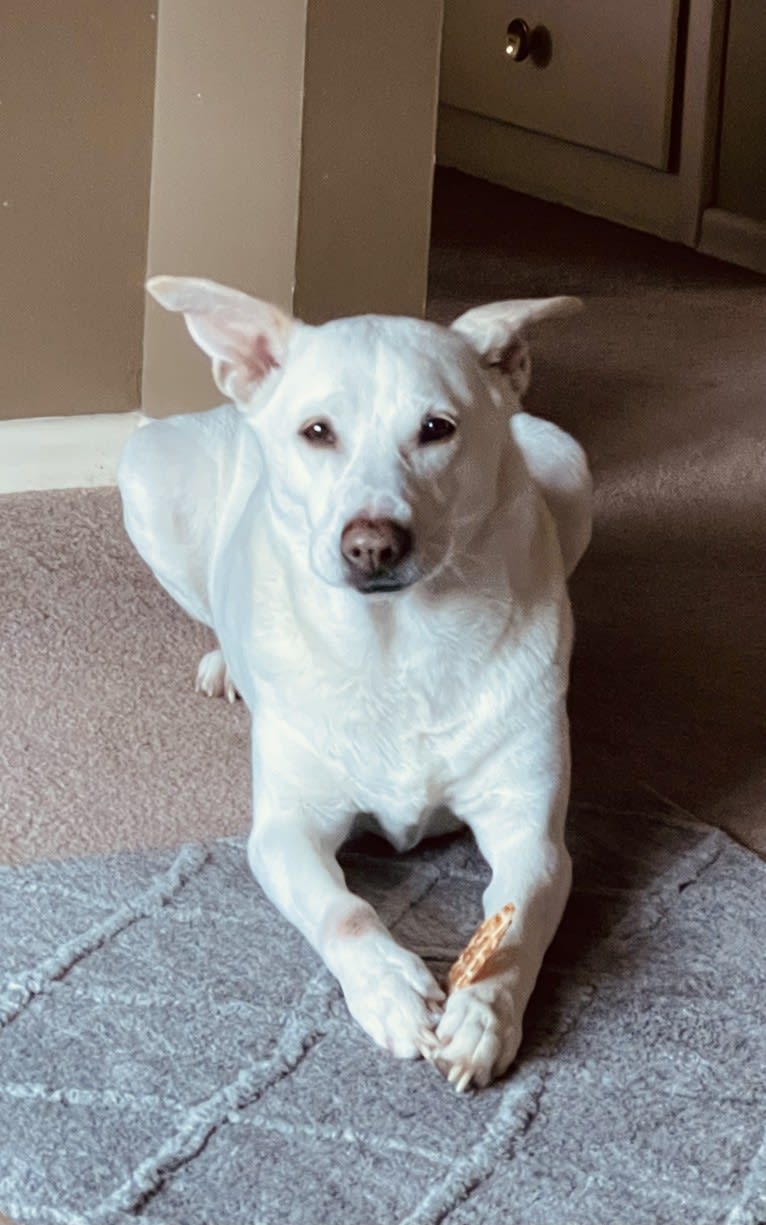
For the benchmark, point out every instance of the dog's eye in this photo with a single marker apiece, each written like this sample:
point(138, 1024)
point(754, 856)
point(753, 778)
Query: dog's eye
point(436, 429)
point(319, 433)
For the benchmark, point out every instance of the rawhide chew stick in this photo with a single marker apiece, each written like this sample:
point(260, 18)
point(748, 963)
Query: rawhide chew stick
point(484, 942)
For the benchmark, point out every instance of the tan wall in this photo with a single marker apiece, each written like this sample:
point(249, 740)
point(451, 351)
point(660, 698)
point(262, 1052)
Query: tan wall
point(320, 202)
point(225, 170)
point(371, 96)
point(77, 84)
point(261, 112)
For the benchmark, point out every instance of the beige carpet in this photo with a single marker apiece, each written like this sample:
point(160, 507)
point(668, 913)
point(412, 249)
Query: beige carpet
point(97, 669)
point(664, 380)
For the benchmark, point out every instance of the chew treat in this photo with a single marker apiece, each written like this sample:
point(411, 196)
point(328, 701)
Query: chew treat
point(484, 942)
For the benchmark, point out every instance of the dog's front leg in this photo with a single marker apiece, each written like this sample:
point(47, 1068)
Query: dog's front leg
point(518, 825)
point(388, 990)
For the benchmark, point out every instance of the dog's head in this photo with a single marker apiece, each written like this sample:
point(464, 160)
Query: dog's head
point(385, 440)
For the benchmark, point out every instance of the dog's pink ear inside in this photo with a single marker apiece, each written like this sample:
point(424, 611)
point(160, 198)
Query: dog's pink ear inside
point(244, 337)
point(498, 332)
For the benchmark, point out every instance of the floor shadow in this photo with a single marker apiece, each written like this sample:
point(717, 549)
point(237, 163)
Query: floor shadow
point(662, 379)
point(618, 858)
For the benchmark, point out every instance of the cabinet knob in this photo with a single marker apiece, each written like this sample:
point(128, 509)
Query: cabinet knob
point(518, 39)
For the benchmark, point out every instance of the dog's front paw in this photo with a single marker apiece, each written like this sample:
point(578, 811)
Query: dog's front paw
point(395, 998)
point(477, 1037)
point(214, 678)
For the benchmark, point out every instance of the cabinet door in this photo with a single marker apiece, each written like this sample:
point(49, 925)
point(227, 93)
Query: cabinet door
point(603, 74)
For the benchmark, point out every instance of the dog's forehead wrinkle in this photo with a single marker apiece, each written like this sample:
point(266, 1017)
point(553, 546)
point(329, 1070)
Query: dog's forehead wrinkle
point(400, 360)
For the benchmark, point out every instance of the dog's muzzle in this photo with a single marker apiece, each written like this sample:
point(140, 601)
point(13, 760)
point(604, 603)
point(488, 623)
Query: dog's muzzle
point(373, 551)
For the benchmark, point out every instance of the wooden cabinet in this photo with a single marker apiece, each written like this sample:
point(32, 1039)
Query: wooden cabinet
point(734, 227)
point(598, 73)
point(621, 121)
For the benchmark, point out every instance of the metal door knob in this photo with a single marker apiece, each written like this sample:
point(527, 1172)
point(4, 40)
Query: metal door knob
point(518, 40)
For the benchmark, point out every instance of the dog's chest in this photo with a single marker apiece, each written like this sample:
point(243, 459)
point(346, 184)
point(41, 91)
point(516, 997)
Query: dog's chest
point(388, 727)
point(388, 716)
point(396, 723)
point(391, 757)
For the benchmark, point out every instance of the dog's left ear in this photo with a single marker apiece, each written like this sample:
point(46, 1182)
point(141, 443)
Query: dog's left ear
point(498, 332)
point(244, 337)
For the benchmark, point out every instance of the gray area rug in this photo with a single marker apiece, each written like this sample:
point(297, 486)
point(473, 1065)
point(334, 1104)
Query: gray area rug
point(171, 1052)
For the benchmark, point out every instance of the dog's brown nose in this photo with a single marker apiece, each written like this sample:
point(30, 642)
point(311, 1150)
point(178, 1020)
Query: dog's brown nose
point(372, 547)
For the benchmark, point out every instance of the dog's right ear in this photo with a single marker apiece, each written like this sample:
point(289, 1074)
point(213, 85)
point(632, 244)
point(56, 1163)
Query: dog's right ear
point(244, 337)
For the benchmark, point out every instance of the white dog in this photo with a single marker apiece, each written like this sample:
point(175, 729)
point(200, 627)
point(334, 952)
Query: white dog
point(380, 540)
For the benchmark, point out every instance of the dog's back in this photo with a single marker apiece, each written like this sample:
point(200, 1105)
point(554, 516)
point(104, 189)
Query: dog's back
point(183, 481)
point(559, 468)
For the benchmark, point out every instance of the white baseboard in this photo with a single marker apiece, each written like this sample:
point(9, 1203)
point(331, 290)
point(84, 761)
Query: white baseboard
point(737, 239)
point(63, 452)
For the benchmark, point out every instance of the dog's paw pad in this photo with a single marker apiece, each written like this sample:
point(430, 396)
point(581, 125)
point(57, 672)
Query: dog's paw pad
point(214, 678)
point(477, 1039)
point(397, 1001)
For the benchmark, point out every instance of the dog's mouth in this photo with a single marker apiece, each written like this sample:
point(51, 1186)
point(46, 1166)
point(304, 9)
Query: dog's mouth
point(382, 586)
point(399, 578)
point(385, 582)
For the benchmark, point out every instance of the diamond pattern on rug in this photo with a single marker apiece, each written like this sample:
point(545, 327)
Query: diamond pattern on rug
point(173, 1053)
